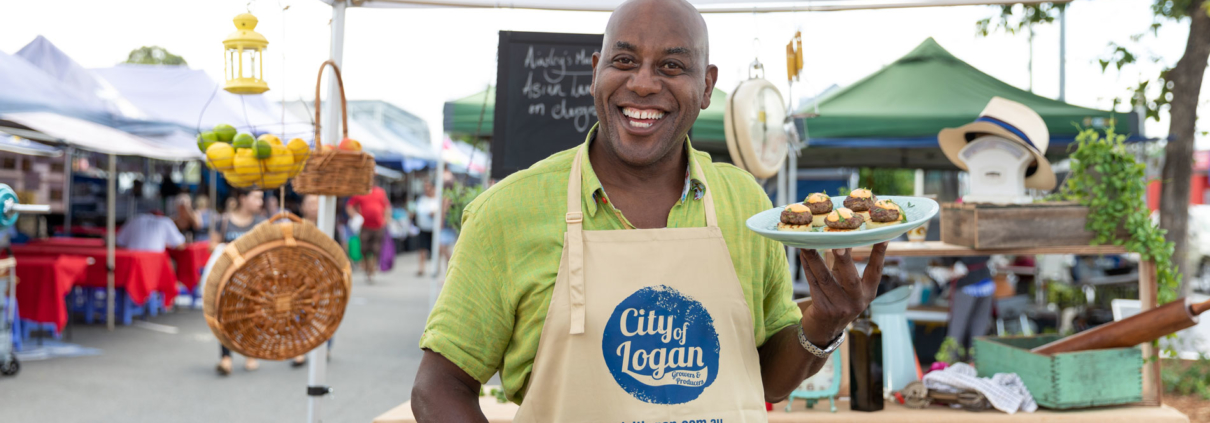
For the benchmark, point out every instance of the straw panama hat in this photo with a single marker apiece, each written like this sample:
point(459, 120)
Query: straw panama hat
point(1012, 121)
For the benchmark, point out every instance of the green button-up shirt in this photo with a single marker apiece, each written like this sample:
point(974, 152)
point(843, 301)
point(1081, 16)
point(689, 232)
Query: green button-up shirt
point(490, 313)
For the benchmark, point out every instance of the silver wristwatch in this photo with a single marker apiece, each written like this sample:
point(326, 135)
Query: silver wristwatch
point(819, 352)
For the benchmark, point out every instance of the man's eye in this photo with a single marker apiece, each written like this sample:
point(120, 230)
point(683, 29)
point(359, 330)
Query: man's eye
point(624, 61)
point(672, 66)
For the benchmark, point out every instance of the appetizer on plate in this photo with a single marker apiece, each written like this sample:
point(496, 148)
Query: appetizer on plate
point(860, 201)
point(820, 205)
point(843, 220)
point(885, 213)
point(795, 217)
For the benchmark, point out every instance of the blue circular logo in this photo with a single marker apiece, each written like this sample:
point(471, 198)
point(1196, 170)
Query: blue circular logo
point(661, 347)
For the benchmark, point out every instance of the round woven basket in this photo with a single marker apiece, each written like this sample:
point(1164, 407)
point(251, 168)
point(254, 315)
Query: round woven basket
point(279, 290)
point(332, 171)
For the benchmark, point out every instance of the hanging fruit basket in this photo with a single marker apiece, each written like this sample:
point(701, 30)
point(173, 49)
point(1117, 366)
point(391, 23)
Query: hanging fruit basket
point(343, 171)
point(279, 290)
point(264, 163)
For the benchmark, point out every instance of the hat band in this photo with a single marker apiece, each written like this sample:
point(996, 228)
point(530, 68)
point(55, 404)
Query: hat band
point(1010, 128)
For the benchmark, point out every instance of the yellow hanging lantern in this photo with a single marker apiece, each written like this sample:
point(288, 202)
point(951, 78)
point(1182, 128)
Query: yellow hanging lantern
point(243, 62)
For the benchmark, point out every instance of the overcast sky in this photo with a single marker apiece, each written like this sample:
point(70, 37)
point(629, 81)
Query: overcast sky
point(420, 58)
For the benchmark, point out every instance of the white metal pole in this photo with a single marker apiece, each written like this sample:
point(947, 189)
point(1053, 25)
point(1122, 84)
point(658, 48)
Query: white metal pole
point(438, 222)
point(317, 359)
point(918, 190)
point(68, 154)
point(1063, 54)
point(111, 202)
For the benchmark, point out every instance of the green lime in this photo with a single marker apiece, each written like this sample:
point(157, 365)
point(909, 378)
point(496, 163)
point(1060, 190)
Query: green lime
point(243, 140)
point(263, 149)
point(224, 132)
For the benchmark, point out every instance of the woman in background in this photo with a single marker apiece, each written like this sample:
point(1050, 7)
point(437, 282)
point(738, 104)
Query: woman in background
point(238, 220)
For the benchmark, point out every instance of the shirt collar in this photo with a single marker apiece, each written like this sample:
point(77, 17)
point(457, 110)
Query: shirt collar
point(592, 185)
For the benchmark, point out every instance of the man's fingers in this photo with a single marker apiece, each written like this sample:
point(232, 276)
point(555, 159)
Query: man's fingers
point(873, 270)
point(823, 286)
point(846, 273)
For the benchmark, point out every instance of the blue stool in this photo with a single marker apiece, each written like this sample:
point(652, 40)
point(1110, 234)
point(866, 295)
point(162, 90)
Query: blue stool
point(29, 326)
point(91, 303)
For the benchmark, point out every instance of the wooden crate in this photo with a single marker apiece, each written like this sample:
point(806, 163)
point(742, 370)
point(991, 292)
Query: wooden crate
point(1065, 381)
point(987, 226)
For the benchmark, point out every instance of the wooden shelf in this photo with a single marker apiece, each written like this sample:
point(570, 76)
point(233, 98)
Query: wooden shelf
point(941, 249)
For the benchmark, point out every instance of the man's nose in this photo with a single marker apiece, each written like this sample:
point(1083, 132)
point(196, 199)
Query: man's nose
point(645, 82)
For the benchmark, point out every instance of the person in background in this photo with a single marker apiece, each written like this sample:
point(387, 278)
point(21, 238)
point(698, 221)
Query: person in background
point(272, 206)
point(150, 232)
point(203, 215)
point(374, 209)
point(184, 216)
point(426, 215)
point(231, 203)
point(238, 220)
point(310, 208)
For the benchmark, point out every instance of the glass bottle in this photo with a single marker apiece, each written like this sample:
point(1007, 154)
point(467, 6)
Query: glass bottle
point(865, 358)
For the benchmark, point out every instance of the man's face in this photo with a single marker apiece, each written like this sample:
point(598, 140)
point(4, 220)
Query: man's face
point(651, 79)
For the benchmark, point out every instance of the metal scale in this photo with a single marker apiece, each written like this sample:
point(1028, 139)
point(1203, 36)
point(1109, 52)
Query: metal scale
point(10, 209)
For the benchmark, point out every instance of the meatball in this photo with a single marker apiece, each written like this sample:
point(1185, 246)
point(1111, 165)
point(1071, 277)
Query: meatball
point(884, 211)
point(860, 200)
point(843, 219)
point(819, 203)
point(796, 214)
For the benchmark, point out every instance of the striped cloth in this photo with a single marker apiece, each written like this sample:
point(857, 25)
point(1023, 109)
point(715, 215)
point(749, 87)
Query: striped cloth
point(1005, 391)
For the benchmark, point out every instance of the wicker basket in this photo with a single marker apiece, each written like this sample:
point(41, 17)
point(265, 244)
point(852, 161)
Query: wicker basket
point(332, 171)
point(279, 290)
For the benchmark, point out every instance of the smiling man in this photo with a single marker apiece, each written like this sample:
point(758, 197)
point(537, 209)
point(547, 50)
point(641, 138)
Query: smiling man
point(616, 281)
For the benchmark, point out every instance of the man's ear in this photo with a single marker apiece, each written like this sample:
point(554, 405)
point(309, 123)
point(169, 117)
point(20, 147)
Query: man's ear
point(596, 57)
point(711, 79)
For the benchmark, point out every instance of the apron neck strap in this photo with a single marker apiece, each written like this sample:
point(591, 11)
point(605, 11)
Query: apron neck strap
point(575, 211)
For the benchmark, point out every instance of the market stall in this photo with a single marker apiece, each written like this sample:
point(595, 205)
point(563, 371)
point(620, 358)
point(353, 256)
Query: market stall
point(45, 282)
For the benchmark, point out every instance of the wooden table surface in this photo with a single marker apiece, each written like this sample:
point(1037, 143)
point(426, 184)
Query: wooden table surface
point(894, 413)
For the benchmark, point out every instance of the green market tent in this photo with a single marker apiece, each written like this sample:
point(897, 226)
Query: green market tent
point(462, 118)
point(891, 118)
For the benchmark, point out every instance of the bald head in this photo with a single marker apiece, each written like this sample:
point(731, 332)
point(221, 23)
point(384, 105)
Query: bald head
point(671, 14)
point(651, 79)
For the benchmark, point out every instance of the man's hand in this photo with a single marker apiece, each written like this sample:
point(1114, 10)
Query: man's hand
point(839, 295)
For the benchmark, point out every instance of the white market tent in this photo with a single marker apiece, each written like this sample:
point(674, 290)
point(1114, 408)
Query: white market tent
point(91, 136)
point(705, 6)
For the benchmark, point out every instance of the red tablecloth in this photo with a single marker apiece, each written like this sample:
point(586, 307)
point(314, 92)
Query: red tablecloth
point(69, 242)
point(138, 272)
point(44, 281)
point(190, 260)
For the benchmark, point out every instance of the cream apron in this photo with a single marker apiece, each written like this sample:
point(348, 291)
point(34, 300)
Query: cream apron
point(645, 325)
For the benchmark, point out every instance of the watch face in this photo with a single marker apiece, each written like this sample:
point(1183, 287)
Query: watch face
point(768, 133)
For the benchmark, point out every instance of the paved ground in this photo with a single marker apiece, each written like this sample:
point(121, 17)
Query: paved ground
point(150, 376)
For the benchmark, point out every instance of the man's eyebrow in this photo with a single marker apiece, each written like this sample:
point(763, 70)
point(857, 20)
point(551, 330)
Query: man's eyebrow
point(676, 50)
point(622, 45)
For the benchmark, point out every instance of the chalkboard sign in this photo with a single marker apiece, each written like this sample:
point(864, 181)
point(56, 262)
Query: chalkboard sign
point(544, 99)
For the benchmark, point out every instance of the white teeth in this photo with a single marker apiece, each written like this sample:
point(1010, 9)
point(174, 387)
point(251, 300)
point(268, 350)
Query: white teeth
point(640, 124)
point(642, 114)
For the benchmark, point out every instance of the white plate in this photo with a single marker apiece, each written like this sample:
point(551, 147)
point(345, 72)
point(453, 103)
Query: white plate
point(917, 209)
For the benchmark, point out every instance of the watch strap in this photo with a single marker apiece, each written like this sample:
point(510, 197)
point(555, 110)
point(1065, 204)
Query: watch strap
point(817, 351)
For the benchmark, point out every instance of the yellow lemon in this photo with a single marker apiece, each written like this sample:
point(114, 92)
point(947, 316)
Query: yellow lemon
point(300, 149)
point(280, 161)
point(220, 155)
point(246, 165)
point(272, 139)
point(237, 180)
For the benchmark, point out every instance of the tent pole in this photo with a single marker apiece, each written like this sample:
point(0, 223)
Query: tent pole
point(110, 236)
point(317, 359)
point(1063, 54)
point(67, 176)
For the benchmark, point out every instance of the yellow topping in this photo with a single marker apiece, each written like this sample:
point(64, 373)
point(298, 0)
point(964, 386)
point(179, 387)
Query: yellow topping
point(797, 208)
point(861, 193)
point(836, 214)
point(887, 204)
point(817, 198)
